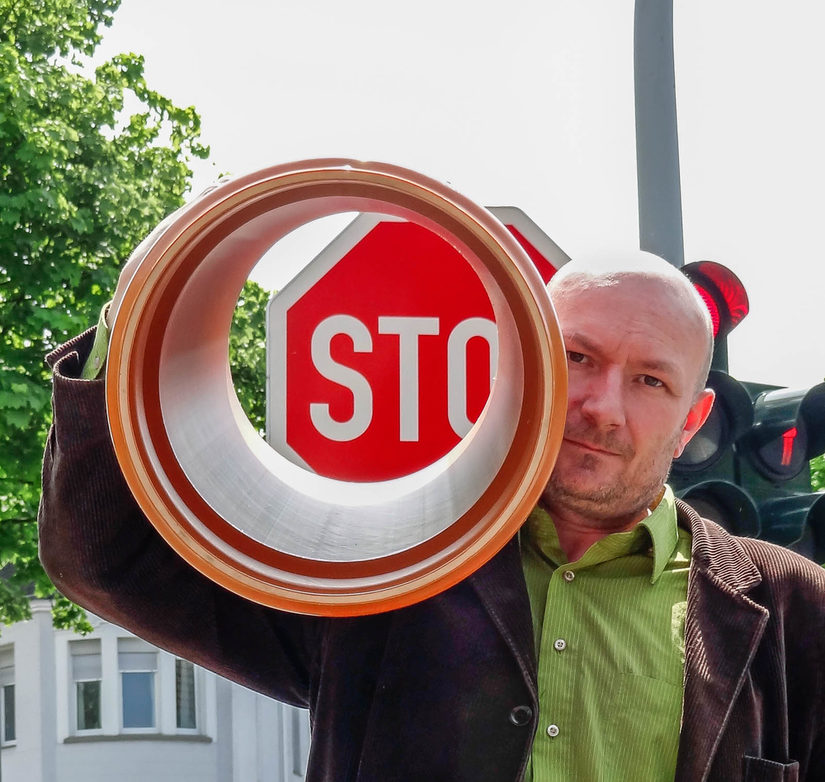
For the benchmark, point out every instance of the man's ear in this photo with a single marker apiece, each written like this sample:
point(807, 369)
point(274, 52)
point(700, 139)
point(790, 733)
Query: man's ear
point(697, 415)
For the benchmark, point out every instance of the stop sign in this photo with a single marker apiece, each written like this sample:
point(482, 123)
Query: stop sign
point(384, 348)
point(267, 527)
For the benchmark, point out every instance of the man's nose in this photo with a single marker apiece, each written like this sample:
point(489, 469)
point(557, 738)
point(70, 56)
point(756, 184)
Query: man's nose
point(602, 400)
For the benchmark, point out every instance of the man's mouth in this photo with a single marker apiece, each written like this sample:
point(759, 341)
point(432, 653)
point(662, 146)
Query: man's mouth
point(591, 447)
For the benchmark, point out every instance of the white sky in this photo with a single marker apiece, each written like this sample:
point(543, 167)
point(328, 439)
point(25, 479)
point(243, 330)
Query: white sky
point(530, 104)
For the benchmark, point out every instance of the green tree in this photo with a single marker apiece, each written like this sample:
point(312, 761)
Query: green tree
point(818, 473)
point(82, 180)
point(247, 353)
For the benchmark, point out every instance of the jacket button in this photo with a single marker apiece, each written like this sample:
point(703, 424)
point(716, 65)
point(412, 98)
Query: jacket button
point(521, 715)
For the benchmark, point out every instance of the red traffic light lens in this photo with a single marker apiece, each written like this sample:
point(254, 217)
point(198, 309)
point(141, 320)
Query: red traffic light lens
point(713, 309)
point(723, 293)
point(784, 457)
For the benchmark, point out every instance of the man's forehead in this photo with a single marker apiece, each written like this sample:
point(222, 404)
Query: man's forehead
point(640, 320)
point(612, 265)
point(630, 301)
point(655, 282)
point(607, 297)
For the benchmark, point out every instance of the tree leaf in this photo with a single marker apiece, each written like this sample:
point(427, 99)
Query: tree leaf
point(80, 189)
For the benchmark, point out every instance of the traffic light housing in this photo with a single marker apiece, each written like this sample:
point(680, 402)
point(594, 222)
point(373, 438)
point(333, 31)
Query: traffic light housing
point(748, 468)
point(726, 299)
point(788, 431)
point(706, 474)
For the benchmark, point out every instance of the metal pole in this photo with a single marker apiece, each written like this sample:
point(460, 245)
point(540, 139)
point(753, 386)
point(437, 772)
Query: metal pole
point(657, 144)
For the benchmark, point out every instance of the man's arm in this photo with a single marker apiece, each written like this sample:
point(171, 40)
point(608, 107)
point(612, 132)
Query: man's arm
point(100, 551)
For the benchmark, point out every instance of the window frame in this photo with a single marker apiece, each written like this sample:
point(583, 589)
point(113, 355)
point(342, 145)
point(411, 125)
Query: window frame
point(74, 722)
point(196, 697)
point(131, 645)
point(109, 644)
point(7, 682)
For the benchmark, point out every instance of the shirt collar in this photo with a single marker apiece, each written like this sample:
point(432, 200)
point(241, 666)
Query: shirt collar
point(657, 533)
point(663, 528)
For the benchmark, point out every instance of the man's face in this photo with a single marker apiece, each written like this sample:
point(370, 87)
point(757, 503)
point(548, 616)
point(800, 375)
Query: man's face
point(634, 356)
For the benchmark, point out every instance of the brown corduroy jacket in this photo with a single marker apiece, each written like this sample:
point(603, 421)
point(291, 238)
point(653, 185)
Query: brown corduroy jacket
point(438, 691)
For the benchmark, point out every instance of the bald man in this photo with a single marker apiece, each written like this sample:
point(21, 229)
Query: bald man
point(639, 342)
point(618, 637)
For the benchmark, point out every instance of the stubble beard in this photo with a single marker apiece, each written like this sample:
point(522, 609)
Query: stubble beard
point(626, 496)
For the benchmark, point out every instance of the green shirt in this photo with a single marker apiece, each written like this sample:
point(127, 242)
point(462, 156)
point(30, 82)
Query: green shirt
point(609, 631)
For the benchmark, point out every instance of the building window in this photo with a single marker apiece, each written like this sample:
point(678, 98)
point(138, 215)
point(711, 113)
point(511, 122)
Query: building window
point(7, 722)
point(123, 685)
point(9, 733)
point(185, 703)
point(137, 662)
point(85, 656)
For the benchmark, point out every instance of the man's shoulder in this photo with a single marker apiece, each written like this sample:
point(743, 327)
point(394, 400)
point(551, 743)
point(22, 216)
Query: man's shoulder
point(75, 351)
point(787, 574)
point(782, 572)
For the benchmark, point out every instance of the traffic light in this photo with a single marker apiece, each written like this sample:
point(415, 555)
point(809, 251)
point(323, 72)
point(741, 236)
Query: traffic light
point(726, 300)
point(706, 474)
point(748, 468)
point(788, 431)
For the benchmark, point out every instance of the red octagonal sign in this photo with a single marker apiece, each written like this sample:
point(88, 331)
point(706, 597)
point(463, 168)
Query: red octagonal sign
point(382, 351)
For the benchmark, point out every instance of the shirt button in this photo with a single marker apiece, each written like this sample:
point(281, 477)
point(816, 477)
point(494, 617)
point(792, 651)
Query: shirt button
point(559, 644)
point(552, 731)
point(521, 715)
point(568, 575)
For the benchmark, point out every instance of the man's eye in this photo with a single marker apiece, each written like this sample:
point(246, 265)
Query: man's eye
point(651, 381)
point(576, 358)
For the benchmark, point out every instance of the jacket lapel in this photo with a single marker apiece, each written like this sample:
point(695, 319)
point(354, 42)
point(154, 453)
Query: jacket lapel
point(723, 628)
point(506, 601)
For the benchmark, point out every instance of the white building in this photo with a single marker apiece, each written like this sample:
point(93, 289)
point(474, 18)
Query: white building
point(108, 707)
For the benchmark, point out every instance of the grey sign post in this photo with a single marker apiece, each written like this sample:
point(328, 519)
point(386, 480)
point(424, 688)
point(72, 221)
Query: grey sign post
point(657, 144)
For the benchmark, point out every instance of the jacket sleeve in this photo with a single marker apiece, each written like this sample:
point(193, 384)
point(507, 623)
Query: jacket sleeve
point(101, 552)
